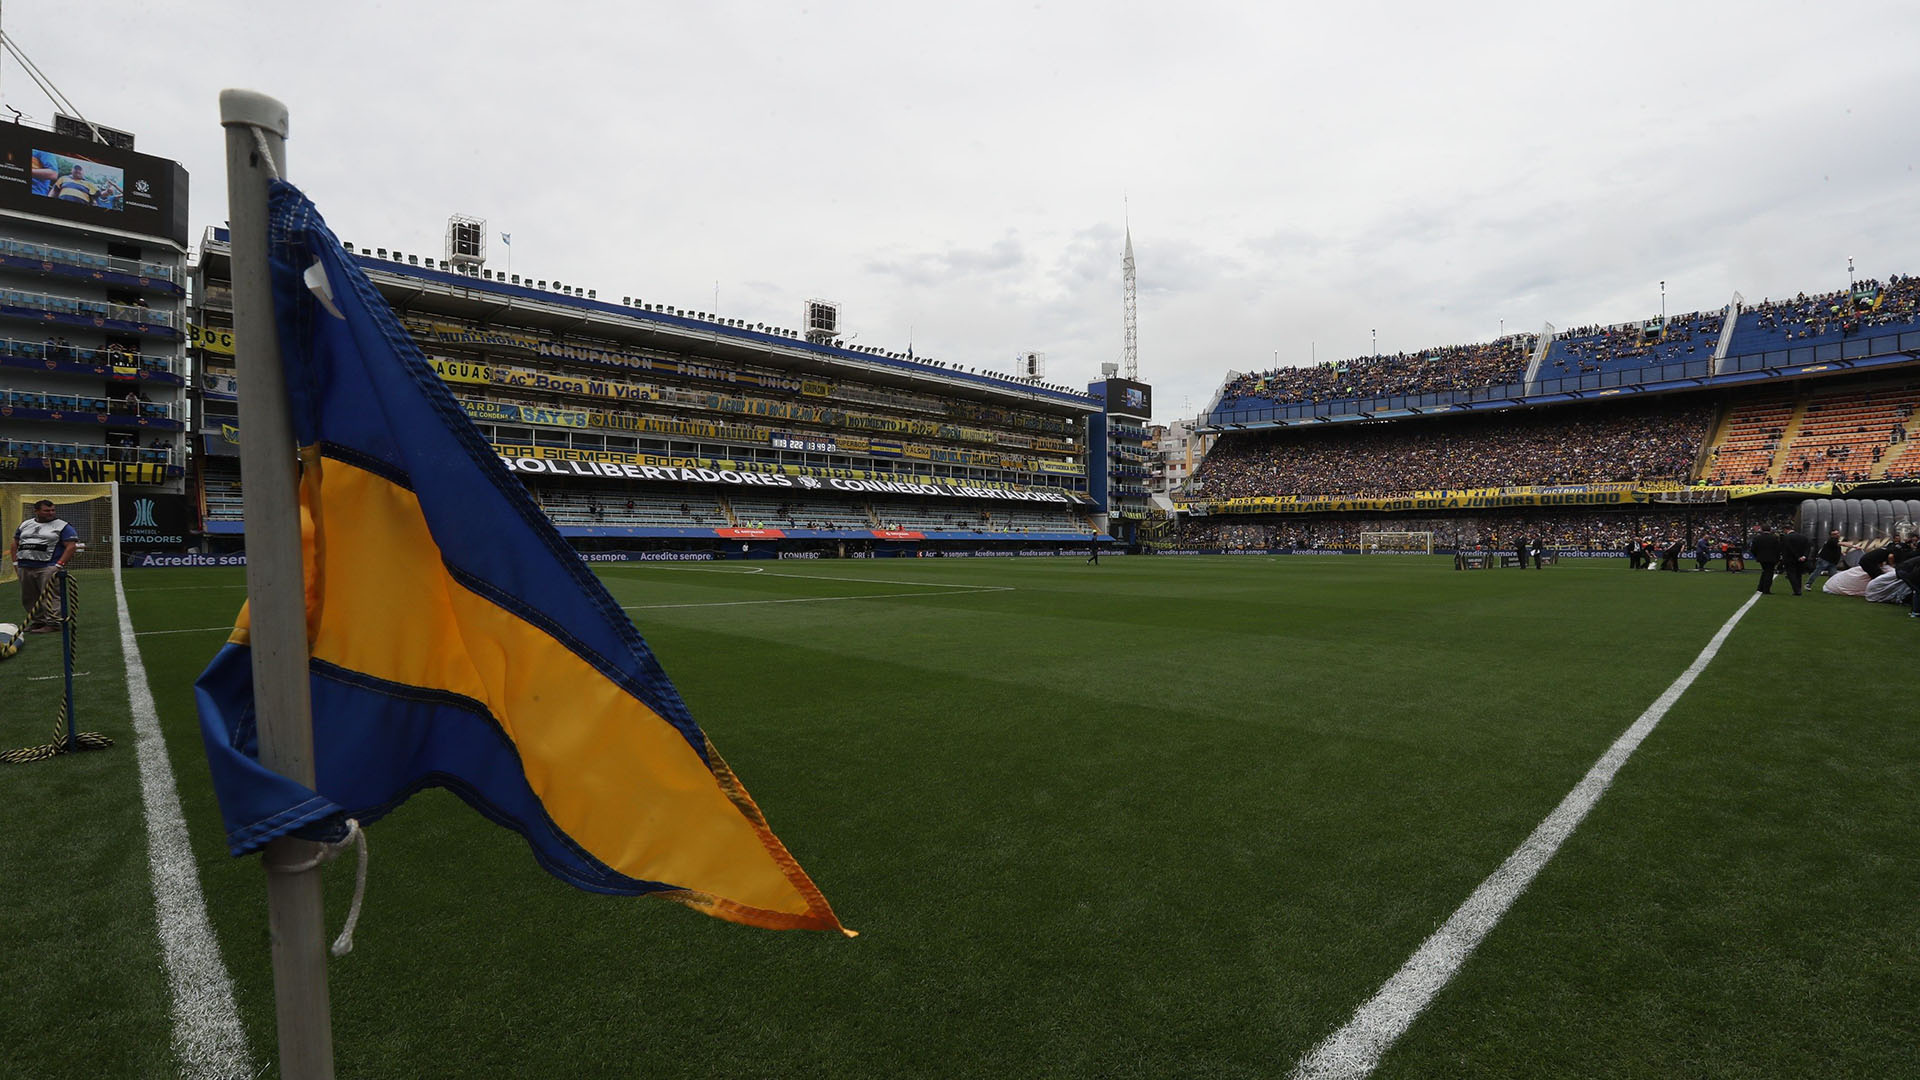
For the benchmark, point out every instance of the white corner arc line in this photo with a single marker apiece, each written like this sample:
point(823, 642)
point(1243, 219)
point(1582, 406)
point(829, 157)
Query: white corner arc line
point(1355, 1050)
point(208, 1040)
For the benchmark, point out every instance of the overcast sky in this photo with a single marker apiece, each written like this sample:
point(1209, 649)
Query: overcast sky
point(1298, 175)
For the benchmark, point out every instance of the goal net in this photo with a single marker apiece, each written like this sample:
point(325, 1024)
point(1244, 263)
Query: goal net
point(92, 510)
point(1396, 543)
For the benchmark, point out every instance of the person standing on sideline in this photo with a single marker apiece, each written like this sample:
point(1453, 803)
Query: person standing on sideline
point(1670, 555)
point(1766, 551)
point(1702, 554)
point(1827, 559)
point(1094, 556)
point(1795, 556)
point(1520, 552)
point(41, 547)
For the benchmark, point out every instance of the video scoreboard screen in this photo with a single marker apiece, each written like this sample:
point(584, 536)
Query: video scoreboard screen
point(91, 183)
point(1128, 398)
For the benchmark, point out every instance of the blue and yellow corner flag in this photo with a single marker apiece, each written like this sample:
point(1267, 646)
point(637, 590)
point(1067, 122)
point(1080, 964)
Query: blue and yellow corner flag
point(457, 641)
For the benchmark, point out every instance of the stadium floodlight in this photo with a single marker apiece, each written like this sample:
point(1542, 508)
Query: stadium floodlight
point(466, 241)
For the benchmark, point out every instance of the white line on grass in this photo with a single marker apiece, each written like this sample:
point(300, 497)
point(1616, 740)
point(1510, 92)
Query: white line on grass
point(62, 675)
point(208, 1040)
point(180, 588)
point(1355, 1050)
point(190, 630)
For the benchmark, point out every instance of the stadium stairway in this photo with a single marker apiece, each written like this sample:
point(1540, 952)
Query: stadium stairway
point(1902, 464)
point(1780, 455)
point(1703, 462)
point(1742, 443)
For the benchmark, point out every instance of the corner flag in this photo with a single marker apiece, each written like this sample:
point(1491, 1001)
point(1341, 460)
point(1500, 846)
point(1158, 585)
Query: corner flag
point(455, 640)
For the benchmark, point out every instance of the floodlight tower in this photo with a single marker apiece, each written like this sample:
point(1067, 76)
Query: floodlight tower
point(1130, 317)
point(466, 243)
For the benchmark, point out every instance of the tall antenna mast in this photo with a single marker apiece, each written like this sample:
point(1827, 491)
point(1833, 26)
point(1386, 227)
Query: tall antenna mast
point(1130, 319)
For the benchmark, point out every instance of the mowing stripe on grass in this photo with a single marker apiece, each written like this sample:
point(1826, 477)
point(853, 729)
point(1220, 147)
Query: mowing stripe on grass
point(825, 577)
point(1355, 1050)
point(823, 599)
point(208, 1040)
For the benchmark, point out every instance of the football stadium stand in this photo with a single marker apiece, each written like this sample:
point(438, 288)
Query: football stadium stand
point(1605, 349)
point(1595, 444)
point(92, 333)
point(642, 427)
point(1867, 306)
point(1700, 426)
point(1450, 369)
point(1870, 323)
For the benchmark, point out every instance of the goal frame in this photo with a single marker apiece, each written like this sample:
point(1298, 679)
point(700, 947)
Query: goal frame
point(21, 494)
point(1411, 543)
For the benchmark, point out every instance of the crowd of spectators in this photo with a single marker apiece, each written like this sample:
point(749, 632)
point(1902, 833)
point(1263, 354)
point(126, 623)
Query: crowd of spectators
point(1603, 531)
point(1575, 352)
point(1588, 349)
point(1638, 443)
point(1428, 371)
point(1869, 303)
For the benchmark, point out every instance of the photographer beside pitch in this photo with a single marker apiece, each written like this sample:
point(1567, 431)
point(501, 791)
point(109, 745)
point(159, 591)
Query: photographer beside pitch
point(41, 547)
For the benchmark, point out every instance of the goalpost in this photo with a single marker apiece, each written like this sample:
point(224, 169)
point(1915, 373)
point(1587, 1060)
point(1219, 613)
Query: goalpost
point(1396, 543)
point(92, 509)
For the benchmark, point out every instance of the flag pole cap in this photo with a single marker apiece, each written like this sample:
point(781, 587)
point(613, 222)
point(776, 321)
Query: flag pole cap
point(251, 108)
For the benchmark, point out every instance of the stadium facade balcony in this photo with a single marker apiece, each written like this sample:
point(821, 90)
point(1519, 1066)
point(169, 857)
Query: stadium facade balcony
point(92, 316)
point(635, 423)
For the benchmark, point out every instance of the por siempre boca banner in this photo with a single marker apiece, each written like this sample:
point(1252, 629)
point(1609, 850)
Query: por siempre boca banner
point(613, 470)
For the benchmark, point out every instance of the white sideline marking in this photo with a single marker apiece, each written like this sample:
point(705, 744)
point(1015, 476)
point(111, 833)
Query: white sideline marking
point(62, 675)
point(208, 1040)
point(823, 599)
point(190, 630)
point(181, 588)
point(1355, 1050)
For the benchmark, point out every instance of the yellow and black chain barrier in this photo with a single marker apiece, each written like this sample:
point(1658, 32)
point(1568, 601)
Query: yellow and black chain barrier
point(59, 606)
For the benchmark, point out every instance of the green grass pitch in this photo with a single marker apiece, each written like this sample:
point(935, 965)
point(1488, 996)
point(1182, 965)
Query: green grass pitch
point(1155, 818)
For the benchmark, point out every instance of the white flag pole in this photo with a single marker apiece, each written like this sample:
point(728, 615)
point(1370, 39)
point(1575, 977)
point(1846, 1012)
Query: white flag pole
point(269, 476)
